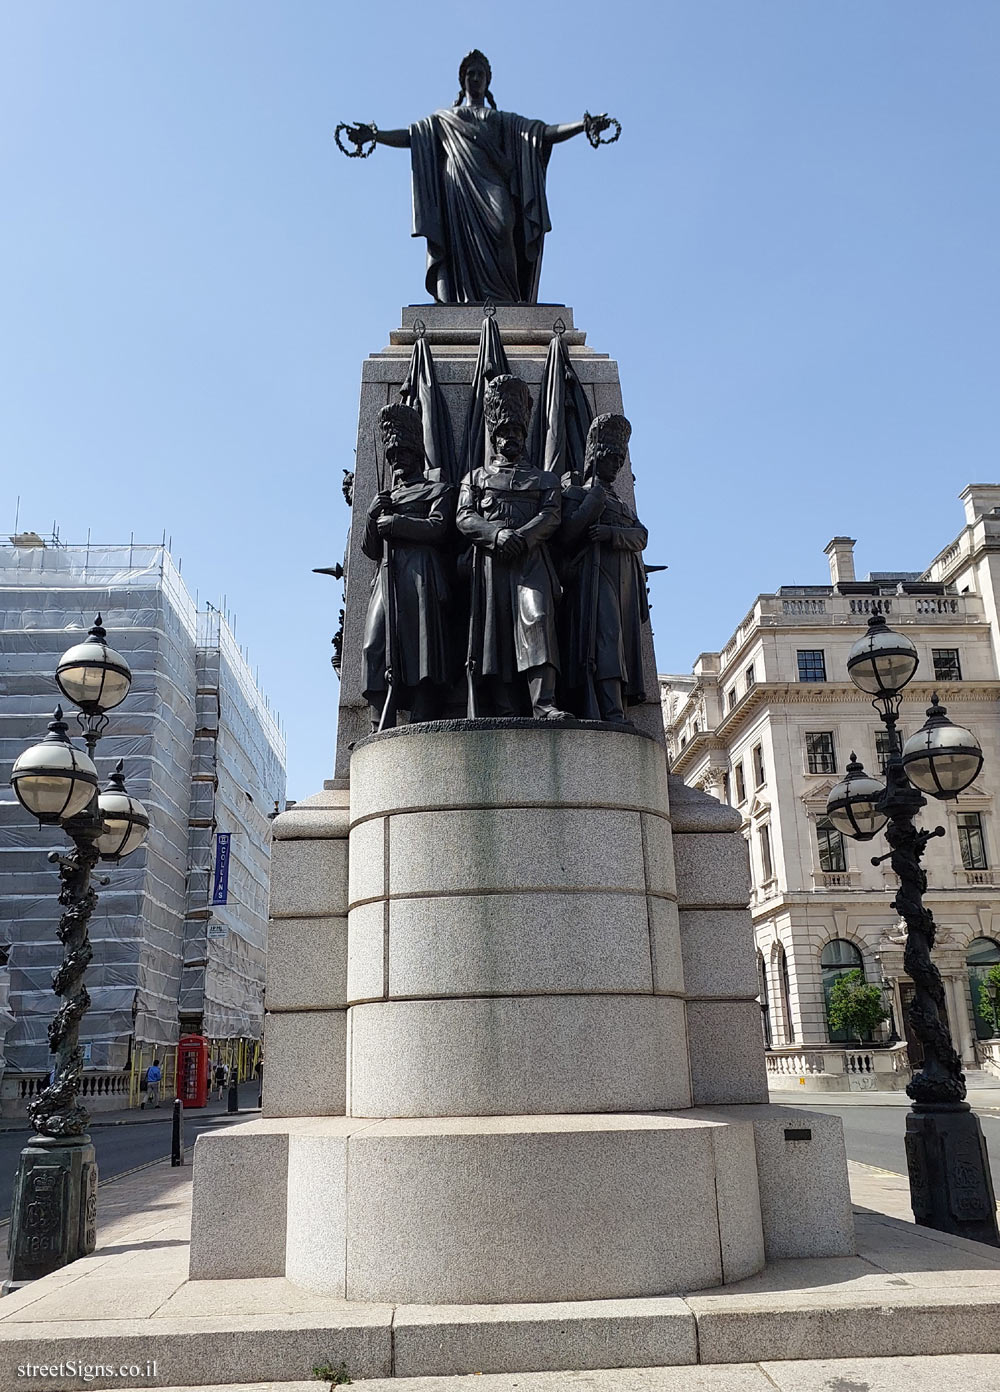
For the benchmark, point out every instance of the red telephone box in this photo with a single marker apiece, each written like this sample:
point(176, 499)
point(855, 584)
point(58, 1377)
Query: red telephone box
point(192, 1070)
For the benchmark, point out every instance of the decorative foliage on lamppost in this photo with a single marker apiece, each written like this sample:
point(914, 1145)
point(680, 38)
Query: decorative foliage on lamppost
point(54, 1218)
point(950, 1184)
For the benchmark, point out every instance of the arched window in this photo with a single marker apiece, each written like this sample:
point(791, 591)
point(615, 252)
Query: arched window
point(837, 959)
point(983, 953)
point(788, 1029)
point(786, 996)
point(765, 1005)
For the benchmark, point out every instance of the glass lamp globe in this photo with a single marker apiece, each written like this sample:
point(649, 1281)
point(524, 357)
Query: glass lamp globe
point(854, 804)
point(92, 675)
point(883, 661)
point(54, 780)
point(941, 758)
point(126, 821)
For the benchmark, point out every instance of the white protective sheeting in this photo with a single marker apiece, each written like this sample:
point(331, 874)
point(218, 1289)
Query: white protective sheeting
point(48, 599)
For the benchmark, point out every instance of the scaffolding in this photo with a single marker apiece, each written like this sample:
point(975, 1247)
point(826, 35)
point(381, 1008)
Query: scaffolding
point(189, 677)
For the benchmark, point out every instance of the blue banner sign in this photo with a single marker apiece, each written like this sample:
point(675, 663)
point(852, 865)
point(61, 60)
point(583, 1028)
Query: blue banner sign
point(220, 885)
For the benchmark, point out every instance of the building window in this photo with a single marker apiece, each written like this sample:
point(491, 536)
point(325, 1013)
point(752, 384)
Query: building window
point(741, 786)
point(750, 678)
point(812, 665)
point(758, 766)
point(832, 855)
point(971, 840)
point(786, 997)
point(883, 747)
point(983, 954)
point(767, 868)
point(765, 1011)
point(684, 740)
point(733, 698)
point(727, 789)
point(819, 751)
point(946, 664)
point(837, 959)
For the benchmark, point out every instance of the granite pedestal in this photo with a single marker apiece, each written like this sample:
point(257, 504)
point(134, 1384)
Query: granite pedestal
point(522, 1049)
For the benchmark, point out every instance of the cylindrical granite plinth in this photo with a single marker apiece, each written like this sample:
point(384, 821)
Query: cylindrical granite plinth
point(513, 941)
point(516, 1032)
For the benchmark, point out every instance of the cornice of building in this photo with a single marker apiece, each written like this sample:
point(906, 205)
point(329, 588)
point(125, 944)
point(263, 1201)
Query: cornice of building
point(973, 541)
point(763, 694)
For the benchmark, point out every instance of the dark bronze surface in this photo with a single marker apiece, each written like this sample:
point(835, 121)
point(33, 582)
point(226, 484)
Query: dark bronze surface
point(479, 188)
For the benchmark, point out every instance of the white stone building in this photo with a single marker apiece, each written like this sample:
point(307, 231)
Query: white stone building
point(768, 725)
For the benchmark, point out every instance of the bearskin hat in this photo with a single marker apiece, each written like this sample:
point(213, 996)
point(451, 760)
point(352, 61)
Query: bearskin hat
point(506, 398)
point(401, 426)
point(608, 433)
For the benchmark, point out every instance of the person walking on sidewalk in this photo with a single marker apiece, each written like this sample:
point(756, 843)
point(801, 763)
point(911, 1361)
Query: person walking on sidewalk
point(154, 1076)
point(221, 1077)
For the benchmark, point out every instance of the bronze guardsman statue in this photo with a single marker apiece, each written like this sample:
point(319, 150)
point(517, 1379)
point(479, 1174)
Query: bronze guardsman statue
point(605, 604)
point(479, 188)
point(406, 651)
point(508, 509)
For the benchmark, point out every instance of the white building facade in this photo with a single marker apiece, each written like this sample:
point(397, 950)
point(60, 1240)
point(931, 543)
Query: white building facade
point(769, 723)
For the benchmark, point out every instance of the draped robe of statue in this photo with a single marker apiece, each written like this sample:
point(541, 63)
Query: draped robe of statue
point(479, 199)
point(421, 522)
point(620, 586)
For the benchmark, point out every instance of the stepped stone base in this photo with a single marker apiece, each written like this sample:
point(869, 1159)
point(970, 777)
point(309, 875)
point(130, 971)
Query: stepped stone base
point(465, 1210)
point(490, 1209)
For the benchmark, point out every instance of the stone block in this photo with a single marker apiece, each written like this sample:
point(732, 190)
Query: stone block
point(238, 1205)
point(517, 944)
point(805, 1200)
point(726, 1049)
point(305, 1063)
point(513, 1209)
point(317, 1216)
point(821, 1324)
point(488, 849)
point(692, 810)
point(323, 816)
point(307, 963)
point(737, 1193)
point(216, 1351)
point(665, 945)
point(718, 951)
point(805, 1197)
point(366, 952)
point(713, 870)
point(658, 855)
point(308, 879)
point(521, 767)
point(367, 861)
point(521, 1055)
point(452, 1340)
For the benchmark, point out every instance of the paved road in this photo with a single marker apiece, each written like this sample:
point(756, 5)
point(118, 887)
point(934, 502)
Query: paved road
point(118, 1148)
point(874, 1135)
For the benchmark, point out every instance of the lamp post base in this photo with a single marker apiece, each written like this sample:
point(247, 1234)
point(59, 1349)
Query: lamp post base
point(950, 1184)
point(54, 1214)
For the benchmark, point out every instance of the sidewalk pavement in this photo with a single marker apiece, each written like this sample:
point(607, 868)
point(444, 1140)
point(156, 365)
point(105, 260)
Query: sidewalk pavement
point(982, 1096)
point(799, 1326)
point(946, 1373)
point(130, 1116)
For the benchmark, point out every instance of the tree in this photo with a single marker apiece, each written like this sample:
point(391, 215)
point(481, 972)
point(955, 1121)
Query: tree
point(989, 998)
point(855, 1007)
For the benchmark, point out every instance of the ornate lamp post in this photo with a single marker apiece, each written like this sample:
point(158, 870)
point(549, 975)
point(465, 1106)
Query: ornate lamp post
point(54, 1218)
point(950, 1184)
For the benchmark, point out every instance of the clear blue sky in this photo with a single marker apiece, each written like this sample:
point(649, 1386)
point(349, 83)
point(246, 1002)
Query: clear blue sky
point(792, 252)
